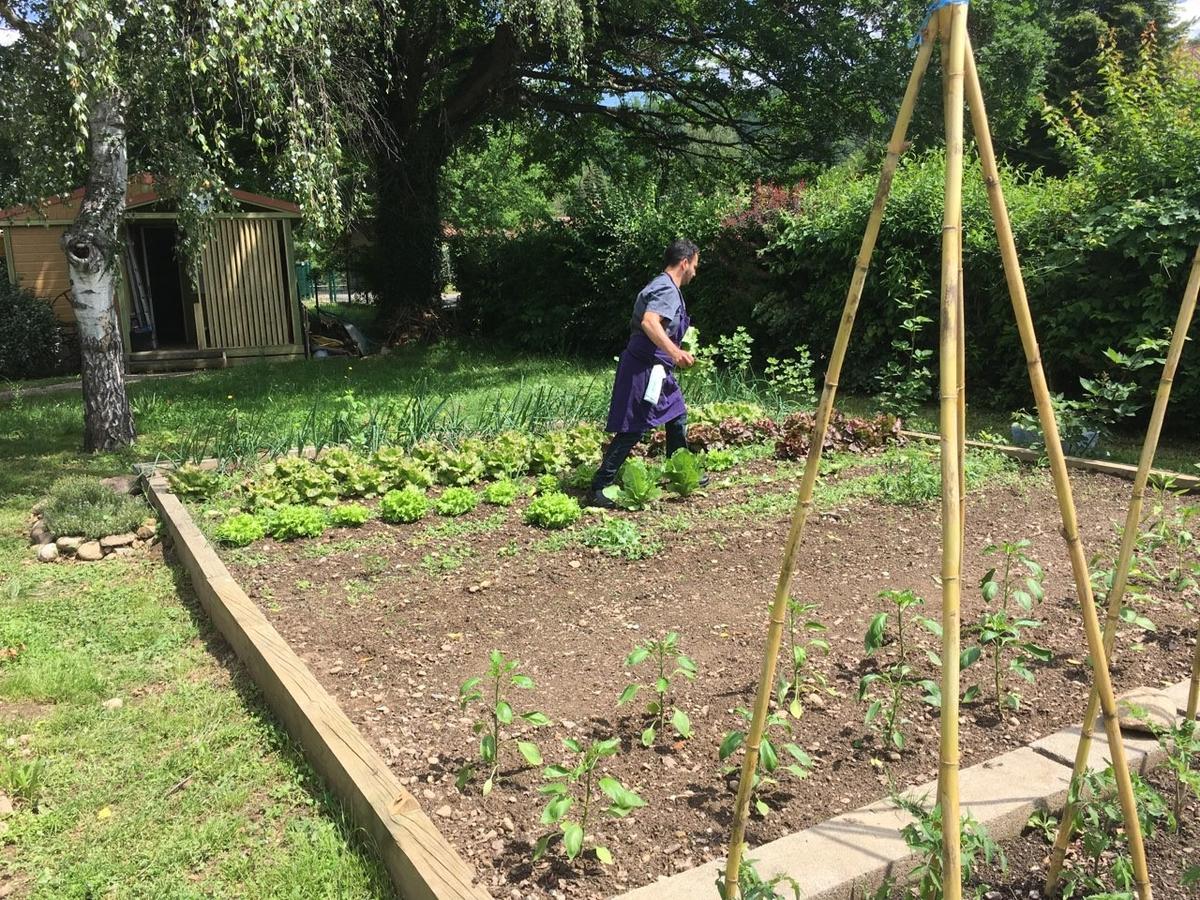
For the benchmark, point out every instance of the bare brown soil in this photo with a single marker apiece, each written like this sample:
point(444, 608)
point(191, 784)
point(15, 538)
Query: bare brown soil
point(392, 620)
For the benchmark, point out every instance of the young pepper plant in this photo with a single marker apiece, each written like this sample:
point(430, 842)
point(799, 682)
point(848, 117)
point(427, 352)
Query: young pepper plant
point(576, 786)
point(886, 715)
point(800, 626)
point(768, 756)
point(877, 629)
point(1018, 578)
point(496, 716)
point(1001, 636)
point(669, 662)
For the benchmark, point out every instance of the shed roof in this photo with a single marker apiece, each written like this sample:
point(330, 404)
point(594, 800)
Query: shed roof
point(142, 191)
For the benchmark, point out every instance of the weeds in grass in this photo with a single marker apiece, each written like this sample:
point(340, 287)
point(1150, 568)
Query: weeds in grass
point(621, 538)
point(22, 780)
point(444, 563)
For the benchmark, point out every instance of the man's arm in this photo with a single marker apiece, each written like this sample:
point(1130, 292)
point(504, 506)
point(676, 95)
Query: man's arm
point(652, 325)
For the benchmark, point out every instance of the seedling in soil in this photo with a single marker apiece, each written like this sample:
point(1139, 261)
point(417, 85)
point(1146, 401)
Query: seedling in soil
point(752, 886)
point(887, 715)
point(1018, 578)
point(1182, 745)
point(497, 716)
point(966, 658)
point(789, 692)
point(1103, 861)
point(1045, 824)
point(924, 837)
point(669, 662)
point(575, 787)
point(1001, 637)
point(877, 629)
point(768, 755)
point(638, 488)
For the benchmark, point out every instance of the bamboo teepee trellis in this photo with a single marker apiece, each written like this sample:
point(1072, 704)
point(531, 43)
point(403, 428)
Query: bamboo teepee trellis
point(948, 21)
point(1116, 594)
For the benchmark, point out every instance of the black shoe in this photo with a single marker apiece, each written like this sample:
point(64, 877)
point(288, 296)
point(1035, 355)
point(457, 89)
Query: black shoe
point(599, 501)
point(704, 480)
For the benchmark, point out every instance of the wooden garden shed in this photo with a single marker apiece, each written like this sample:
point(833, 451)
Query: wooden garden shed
point(244, 306)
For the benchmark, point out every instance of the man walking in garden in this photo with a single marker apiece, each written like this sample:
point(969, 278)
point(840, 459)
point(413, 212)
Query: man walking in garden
point(645, 392)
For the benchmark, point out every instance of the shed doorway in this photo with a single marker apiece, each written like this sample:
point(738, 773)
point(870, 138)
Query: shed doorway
point(161, 317)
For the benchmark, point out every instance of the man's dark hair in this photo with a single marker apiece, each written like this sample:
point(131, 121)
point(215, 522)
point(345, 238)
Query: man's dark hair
point(677, 251)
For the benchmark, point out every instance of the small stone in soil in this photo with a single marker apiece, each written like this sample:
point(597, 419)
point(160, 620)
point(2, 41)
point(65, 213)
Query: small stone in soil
point(443, 811)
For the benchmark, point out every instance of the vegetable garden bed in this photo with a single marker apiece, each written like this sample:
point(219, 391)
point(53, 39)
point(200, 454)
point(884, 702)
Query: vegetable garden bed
point(394, 618)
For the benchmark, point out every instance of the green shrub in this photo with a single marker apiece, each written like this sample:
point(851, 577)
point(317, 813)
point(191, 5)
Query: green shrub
point(81, 506)
point(620, 537)
point(553, 511)
point(293, 521)
point(406, 505)
point(400, 469)
point(456, 501)
point(30, 341)
point(348, 515)
point(501, 493)
point(240, 530)
point(194, 482)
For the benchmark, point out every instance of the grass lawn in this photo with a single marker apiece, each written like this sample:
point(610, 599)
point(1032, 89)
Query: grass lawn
point(189, 788)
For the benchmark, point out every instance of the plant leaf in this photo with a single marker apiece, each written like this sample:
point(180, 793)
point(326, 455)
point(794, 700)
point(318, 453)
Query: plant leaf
point(572, 838)
point(681, 723)
point(530, 751)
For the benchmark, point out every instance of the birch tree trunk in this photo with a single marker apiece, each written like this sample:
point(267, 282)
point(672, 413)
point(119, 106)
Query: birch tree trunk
point(92, 245)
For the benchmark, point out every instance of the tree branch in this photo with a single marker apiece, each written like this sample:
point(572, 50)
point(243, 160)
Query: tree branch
point(23, 26)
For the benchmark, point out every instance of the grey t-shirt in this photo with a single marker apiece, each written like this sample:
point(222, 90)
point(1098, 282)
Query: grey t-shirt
point(659, 296)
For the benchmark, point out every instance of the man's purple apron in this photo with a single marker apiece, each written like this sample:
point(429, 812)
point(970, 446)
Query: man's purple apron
point(628, 411)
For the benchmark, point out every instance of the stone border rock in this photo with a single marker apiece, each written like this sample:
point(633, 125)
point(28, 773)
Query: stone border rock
point(50, 547)
point(849, 856)
point(421, 862)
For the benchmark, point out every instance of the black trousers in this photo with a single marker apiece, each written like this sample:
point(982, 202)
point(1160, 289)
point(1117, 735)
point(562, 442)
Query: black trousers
point(623, 442)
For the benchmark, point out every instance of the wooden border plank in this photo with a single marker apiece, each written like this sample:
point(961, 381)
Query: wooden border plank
point(418, 857)
point(1187, 483)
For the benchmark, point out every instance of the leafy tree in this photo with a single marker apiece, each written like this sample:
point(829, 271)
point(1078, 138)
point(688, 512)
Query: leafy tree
point(189, 91)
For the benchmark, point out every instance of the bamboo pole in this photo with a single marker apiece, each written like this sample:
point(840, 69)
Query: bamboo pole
point(1129, 536)
point(953, 22)
point(804, 503)
point(1062, 483)
point(1194, 689)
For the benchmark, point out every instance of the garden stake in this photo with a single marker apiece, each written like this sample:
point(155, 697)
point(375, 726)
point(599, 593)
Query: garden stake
point(803, 506)
point(1121, 576)
point(1062, 483)
point(953, 21)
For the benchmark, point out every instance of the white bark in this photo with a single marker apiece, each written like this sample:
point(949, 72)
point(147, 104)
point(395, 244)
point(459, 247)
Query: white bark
point(91, 245)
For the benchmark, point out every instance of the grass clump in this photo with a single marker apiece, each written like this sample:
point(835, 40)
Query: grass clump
point(348, 515)
point(553, 511)
point(240, 530)
point(457, 501)
point(84, 507)
point(406, 505)
point(290, 522)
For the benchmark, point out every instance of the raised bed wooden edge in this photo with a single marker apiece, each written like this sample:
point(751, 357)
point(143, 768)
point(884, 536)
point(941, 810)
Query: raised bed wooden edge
point(419, 859)
point(1187, 483)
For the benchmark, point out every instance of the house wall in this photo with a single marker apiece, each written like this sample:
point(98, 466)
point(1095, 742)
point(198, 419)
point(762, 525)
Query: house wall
point(40, 265)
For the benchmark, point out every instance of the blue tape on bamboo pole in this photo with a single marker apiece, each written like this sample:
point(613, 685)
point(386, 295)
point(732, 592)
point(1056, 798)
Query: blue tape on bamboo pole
point(929, 13)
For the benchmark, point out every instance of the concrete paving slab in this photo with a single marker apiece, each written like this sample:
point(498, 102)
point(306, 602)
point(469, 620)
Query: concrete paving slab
point(1178, 694)
point(1004, 792)
point(1142, 752)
